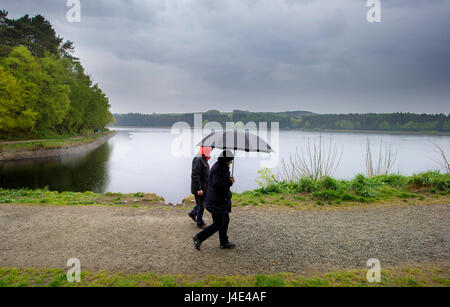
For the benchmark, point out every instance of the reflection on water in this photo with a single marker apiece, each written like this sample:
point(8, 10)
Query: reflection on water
point(142, 160)
point(87, 172)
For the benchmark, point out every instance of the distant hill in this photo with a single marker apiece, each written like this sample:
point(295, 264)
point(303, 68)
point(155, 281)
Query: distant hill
point(404, 122)
point(168, 119)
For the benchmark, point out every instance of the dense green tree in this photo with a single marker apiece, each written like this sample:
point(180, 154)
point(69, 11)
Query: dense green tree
point(15, 114)
point(35, 33)
point(44, 88)
point(28, 73)
point(54, 101)
point(80, 94)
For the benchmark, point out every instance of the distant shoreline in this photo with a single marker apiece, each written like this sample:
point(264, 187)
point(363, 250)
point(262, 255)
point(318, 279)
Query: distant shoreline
point(80, 146)
point(430, 133)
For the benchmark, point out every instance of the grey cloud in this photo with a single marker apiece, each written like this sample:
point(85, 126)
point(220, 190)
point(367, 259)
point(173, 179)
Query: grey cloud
point(319, 55)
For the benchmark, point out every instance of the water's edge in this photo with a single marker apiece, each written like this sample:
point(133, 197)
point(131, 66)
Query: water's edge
point(66, 151)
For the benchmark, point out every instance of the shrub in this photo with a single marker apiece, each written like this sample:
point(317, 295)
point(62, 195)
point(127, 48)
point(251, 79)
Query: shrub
point(365, 187)
point(433, 179)
point(307, 185)
point(393, 180)
point(329, 183)
point(266, 178)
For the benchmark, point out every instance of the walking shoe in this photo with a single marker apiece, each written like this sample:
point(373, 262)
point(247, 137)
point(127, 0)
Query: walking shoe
point(229, 245)
point(193, 217)
point(197, 242)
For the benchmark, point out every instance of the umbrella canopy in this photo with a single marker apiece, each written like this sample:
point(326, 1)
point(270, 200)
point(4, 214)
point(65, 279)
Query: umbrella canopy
point(236, 140)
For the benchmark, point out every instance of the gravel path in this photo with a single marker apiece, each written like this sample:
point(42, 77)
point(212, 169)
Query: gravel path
point(270, 240)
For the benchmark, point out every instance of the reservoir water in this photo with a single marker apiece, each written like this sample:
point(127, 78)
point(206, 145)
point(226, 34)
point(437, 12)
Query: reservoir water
point(159, 161)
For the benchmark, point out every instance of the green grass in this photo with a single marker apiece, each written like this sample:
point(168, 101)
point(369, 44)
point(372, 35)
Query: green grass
point(396, 277)
point(430, 187)
point(360, 190)
point(45, 196)
point(53, 143)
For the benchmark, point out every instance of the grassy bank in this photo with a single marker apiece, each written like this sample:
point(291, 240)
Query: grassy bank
point(424, 188)
point(417, 276)
point(420, 188)
point(44, 196)
point(52, 142)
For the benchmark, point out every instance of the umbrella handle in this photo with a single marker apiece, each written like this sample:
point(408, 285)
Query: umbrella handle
point(232, 172)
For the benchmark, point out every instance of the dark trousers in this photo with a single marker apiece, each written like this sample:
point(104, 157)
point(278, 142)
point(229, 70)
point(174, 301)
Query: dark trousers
point(199, 209)
point(220, 224)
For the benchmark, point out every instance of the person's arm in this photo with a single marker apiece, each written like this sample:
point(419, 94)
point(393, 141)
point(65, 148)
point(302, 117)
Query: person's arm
point(221, 180)
point(196, 175)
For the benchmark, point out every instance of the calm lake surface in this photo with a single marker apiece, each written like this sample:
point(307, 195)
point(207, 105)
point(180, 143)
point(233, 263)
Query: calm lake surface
point(158, 161)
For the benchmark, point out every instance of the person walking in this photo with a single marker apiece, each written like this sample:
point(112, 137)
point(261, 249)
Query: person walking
point(199, 178)
point(218, 201)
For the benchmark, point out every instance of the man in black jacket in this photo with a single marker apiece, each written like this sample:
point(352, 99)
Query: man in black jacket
point(199, 178)
point(218, 201)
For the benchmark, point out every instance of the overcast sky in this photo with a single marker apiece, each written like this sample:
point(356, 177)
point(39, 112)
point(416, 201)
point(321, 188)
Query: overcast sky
point(260, 55)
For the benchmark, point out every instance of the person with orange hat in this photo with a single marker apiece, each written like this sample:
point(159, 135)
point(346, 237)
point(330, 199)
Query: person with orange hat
point(199, 178)
point(218, 202)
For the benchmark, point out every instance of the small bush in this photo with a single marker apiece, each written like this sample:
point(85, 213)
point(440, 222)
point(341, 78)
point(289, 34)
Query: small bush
point(329, 183)
point(306, 185)
point(266, 178)
point(435, 179)
point(393, 180)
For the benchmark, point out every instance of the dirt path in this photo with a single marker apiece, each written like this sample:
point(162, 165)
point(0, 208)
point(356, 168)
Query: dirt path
point(270, 240)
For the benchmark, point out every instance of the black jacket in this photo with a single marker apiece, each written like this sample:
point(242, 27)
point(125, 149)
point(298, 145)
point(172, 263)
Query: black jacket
point(199, 175)
point(218, 196)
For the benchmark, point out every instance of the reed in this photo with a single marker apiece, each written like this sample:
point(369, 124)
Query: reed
point(442, 159)
point(319, 159)
point(383, 163)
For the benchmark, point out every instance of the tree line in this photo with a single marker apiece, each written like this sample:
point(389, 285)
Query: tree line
point(300, 120)
point(44, 89)
point(376, 122)
point(168, 119)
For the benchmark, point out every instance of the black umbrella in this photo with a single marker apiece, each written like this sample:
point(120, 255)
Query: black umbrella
point(236, 140)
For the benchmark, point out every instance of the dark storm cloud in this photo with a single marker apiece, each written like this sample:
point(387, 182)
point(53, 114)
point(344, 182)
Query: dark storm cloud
point(318, 55)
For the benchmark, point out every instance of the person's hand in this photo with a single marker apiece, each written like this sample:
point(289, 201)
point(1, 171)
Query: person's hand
point(200, 192)
point(232, 180)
